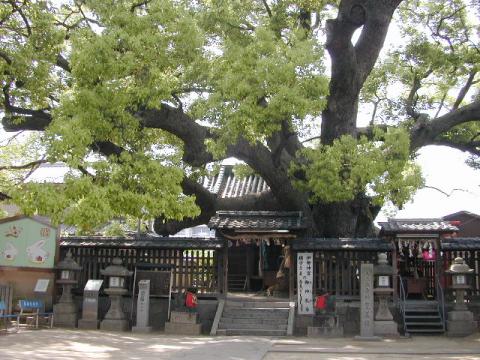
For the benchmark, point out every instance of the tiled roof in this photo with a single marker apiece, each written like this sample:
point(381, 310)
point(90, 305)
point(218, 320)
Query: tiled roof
point(349, 244)
point(460, 244)
point(226, 185)
point(414, 226)
point(145, 241)
point(457, 215)
point(257, 220)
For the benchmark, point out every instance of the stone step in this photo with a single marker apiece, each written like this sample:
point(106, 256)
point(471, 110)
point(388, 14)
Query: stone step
point(421, 311)
point(425, 331)
point(251, 326)
point(255, 313)
point(417, 316)
point(421, 323)
point(258, 304)
point(258, 321)
point(251, 332)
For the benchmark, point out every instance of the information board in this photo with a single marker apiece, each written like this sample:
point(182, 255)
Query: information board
point(305, 283)
point(41, 286)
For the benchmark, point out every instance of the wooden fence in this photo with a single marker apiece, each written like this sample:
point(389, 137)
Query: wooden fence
point(6, 295)
point(191, 267)
point(338, 272)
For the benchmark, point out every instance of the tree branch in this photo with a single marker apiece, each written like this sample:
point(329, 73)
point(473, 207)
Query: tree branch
point(63, 63)
point(22, 15)
point(31, 164)
point(426, 132)
point(377, 17)
point(464, 90)
point(176, 122)
point(269, 12)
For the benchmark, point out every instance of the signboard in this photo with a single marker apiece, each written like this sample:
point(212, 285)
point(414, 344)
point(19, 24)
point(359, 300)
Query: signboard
point(41, 286)
point(305, 283)
point(25, 242)
point(93, 285)
point(383, 281)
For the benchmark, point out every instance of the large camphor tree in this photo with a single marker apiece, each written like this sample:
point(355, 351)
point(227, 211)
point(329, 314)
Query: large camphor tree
point(140, 98)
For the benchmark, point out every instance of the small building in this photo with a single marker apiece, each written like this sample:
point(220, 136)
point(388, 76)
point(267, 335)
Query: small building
point(28, 251)
point(468, 223)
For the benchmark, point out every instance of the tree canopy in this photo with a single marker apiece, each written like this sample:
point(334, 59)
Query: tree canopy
point(140, 98)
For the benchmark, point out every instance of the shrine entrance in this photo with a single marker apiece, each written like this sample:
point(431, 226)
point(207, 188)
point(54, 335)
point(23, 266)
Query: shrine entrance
point(257, 256)
point(258, 265)
point(417, 267)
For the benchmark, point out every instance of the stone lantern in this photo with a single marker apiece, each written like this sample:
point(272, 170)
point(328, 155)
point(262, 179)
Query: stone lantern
point(115, 319)
point(65, 312)
point(460, 320)
point(384, 323)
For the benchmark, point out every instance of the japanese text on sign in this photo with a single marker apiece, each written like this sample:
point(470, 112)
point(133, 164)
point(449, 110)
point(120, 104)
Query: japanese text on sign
point(305, 283)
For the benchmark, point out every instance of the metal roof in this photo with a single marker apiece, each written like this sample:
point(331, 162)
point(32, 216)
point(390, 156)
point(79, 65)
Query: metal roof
point(417, 226)
point(146, 241)
point(346, 244)
point(257, 220)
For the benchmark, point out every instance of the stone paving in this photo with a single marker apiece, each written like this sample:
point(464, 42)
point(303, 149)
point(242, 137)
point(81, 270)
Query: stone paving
point(62, 344)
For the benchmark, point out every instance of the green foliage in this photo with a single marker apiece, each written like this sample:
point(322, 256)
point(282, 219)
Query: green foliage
point(351, 167)
point(240, 67)
point(242, 171)
point(115, 228)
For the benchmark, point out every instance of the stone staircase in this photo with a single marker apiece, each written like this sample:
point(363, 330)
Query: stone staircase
point(254, 317)
point(423, 317)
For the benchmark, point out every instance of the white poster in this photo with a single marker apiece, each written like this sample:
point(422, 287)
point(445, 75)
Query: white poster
point(305, 283)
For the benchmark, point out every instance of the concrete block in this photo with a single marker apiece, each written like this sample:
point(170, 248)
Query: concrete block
point(182, 328)
point(183, 317)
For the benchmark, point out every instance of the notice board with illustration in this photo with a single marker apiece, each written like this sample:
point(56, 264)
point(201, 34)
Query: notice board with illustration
point(26, 242)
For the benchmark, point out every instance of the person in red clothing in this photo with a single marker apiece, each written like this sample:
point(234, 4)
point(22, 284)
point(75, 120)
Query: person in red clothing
point(321, 301)
point(191, 299)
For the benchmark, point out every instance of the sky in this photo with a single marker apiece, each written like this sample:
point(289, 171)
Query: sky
point(445, 169)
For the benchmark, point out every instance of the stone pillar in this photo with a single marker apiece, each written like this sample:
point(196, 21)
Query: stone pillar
point(366, 304)
point(89, 318)
point(143, 307)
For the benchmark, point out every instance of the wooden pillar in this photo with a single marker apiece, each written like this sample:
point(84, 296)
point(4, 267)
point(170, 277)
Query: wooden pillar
point(225, 269)
point(291, 274)
point(438, 266)
point(249, 264)
point(395, 272)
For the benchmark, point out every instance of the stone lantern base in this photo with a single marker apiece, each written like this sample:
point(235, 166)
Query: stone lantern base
point(65, 315)
point(385, 328)
point(114, 325)
point(460, 323)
